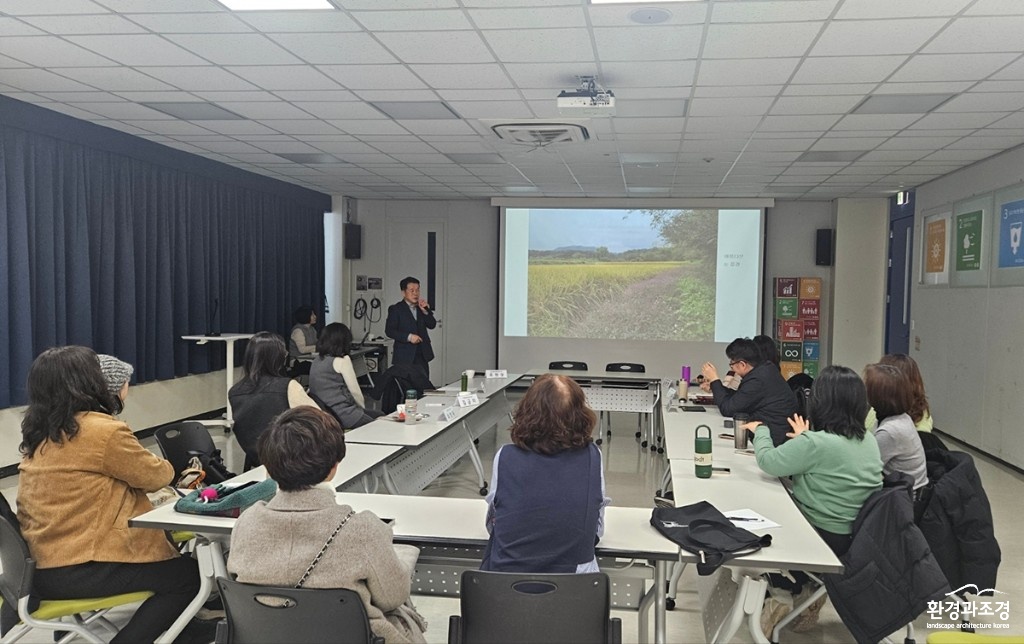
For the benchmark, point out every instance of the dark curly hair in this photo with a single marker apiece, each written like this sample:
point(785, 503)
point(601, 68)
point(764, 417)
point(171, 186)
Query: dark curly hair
point(553, 416)
point(300, 447)
point(63, 382)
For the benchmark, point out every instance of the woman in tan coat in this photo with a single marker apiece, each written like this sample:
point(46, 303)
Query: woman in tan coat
point(274, 543)
point(83, 476)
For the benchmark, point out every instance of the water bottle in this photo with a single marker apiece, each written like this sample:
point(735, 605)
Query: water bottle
point(464, 382)
point(702, 453)
point(410, 405)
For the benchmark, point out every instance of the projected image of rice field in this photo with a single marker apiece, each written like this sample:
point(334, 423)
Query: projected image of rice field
point(620, 300)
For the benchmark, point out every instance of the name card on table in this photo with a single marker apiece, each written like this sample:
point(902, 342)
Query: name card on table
point(468, 401)
point(496, 373)
point(448, 414)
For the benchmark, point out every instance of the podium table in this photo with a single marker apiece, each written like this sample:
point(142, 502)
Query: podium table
point(229, 340)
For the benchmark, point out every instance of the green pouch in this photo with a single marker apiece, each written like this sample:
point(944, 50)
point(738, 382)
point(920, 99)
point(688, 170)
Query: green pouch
point(230, 502)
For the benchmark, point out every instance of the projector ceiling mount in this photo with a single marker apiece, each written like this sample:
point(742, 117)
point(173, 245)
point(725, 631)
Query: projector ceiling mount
point(589, 99)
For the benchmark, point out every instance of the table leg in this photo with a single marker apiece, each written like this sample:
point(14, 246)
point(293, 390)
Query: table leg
point(389, 483)
point(229, 363)
point(660, 577)
point(475, 457)
point(210, 558)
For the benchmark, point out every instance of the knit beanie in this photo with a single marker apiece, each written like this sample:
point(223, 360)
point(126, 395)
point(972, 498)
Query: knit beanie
point(116, 372)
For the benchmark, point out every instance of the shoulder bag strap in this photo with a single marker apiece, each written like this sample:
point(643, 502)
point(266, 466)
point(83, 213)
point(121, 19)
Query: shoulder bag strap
point(320, 554)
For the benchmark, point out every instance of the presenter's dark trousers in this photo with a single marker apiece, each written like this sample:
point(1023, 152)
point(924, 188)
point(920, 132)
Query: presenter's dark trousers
point(420, 362)
point(175, 583)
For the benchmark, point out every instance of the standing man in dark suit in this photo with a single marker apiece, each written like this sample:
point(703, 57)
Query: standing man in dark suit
point(407, 325)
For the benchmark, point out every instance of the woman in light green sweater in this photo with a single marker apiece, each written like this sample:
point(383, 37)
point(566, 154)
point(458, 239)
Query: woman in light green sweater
point(836, 466)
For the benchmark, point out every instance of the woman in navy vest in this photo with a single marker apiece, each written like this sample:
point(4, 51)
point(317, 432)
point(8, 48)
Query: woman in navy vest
point(546, 505)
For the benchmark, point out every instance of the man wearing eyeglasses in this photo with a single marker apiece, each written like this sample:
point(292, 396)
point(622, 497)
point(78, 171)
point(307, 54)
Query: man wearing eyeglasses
point(763, 394)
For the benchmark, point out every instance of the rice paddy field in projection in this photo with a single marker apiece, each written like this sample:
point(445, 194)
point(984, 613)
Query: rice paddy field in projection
point(654, 279)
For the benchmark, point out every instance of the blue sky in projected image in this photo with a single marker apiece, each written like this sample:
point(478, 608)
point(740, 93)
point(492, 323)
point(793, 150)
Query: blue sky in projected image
point(619, 230)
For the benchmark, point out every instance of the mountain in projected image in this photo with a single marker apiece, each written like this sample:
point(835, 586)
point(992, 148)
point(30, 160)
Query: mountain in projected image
point(622, 274)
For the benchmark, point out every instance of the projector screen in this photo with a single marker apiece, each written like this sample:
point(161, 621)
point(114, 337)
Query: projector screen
point(587, 281)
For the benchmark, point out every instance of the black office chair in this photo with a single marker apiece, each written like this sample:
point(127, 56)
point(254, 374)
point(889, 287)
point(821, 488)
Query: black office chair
point(514, 608)
point(272, 614)
point(179, 442)
point(625, 367)
point(567, 365)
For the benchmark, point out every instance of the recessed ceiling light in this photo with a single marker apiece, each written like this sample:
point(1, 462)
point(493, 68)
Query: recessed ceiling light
point(831, 156)
point(416, 109)
point(521, 189)
point(639, 1)
point(195, 111)
point(310, 158)
point(901, 103)
point(650, 15)
point(471, 158)
point(647, 190)
point(275, 5)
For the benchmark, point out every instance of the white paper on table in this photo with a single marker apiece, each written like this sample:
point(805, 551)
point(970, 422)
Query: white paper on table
point(750, 520)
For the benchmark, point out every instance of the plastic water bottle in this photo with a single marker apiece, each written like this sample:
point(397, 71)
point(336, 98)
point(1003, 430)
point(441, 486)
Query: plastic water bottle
point(410, 405)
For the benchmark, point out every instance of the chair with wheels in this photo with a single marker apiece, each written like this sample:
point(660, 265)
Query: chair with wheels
point(272, 614)
point(624, 367)
point(512, 608)
point(18, 570)
point(179, 442)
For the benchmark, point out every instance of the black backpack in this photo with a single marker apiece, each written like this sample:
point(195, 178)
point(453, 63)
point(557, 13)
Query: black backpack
point(701, 529)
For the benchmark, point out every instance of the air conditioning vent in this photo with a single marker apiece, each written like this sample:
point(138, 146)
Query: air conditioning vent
point(541, 134)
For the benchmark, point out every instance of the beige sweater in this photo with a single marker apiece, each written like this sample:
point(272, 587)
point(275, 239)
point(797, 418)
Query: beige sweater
point(75, 497)
point(274, 542)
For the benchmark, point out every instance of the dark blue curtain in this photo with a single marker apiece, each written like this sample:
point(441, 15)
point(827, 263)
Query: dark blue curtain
point(126, 256)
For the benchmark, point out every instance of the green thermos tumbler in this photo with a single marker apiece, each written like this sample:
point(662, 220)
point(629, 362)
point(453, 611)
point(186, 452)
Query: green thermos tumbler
point(702, 452)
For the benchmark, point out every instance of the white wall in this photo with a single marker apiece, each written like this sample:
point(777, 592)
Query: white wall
point(470, 308)
point(148, 405)
point(968, 341)
point(790, 229)
point(858, 285)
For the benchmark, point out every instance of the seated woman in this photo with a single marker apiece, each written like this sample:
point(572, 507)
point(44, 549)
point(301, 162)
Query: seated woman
point(302, 339)
point(275, 542)
point(263, 392)
point(546, 504)
point(332, 379)
point(83, 475)
point(889, 394)
point(918, 410)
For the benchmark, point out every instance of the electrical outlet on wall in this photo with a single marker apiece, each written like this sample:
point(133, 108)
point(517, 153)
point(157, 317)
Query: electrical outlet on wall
point(917, 343)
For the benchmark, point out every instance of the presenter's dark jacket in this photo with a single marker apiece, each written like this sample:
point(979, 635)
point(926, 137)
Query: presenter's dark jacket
point(400, 324)
point(763, 395)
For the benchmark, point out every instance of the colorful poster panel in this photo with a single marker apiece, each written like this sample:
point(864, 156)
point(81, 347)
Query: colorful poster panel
point(934, 251)
point(1008, 238)
point(971, 242)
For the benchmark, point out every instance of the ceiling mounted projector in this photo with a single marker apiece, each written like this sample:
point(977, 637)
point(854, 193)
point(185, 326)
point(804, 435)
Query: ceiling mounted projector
point(590, 99)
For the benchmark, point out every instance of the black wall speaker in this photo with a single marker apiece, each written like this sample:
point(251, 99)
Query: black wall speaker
point(823, 247)
point(353, 241)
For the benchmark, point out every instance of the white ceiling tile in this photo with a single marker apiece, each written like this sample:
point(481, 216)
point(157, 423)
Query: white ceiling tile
point(434, 126)
point(286, 77)
point(734, 124)
point(541, 45)
point(994, 8)
point(893, 155)
point(772, 40)
point(10, 63)
point(15, 27)
point(316, 95)
point(227, 147)
point(937, 87)
point(426, 20)
point(457, 95)
point(236, 49)
point(463, 76)
point(789, 105)
point(50, 7)
point(737, 90)
point(984, 102)
point(138, 50)
point(89, 24)
point(854, 9)
point(199, 78)
point(950, 67)
point(847, 69)
point(217, 97)
point(358, 128)
point(645, 42)
point(334, 48)
point(630, 94)
point(191, 23)
point(71, 110)
point(851, 89)
point(492, 109)
point(381, 95)
point(868, 37)
point(170, 127)
point(286, 147)
point(51, 51)
point(345, 147)
point(618, 15)
point(235, 127)
point(746, 72)
point(299, 21)
point(962, 120)
point(373, 76)
point(414, 159)
point(301, 127)
point(847, 144)
point(960, 155)
point(156, 97)
point(916, 143)
point(772, 11)
point(648, 74)
point(263, 110)
point(92, 97)
point(40, 80)
point(676, 107)
point(875, 121)
point(537, 17)
point(798, 123)
point(977, 142)
point(549, 77)
point(1013, 71)
point(114, 79)
point(973, 35)
point(123, 110)
point(730, 106)
point(341, 110)
point(435, 47)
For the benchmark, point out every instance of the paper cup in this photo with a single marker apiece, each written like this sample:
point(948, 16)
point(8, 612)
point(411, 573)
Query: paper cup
point(470, 373)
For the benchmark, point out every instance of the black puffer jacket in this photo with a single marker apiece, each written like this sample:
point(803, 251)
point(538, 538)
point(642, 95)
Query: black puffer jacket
point(890, 574)
point(957, 521)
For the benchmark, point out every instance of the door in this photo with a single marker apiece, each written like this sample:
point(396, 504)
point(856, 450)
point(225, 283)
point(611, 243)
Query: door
point(416, 247)
point(897, 321)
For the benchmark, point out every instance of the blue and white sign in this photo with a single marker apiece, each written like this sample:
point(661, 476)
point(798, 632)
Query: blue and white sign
point(812, 349)
point(1011, 227)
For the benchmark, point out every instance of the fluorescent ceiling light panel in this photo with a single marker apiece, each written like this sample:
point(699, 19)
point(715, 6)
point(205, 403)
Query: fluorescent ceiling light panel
point(520, 189)
point(901, 103)
point(310, 158)
point(275, 5)
point(831, 156)
point(471, 158)
point(416, 109)
point(195, 111)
